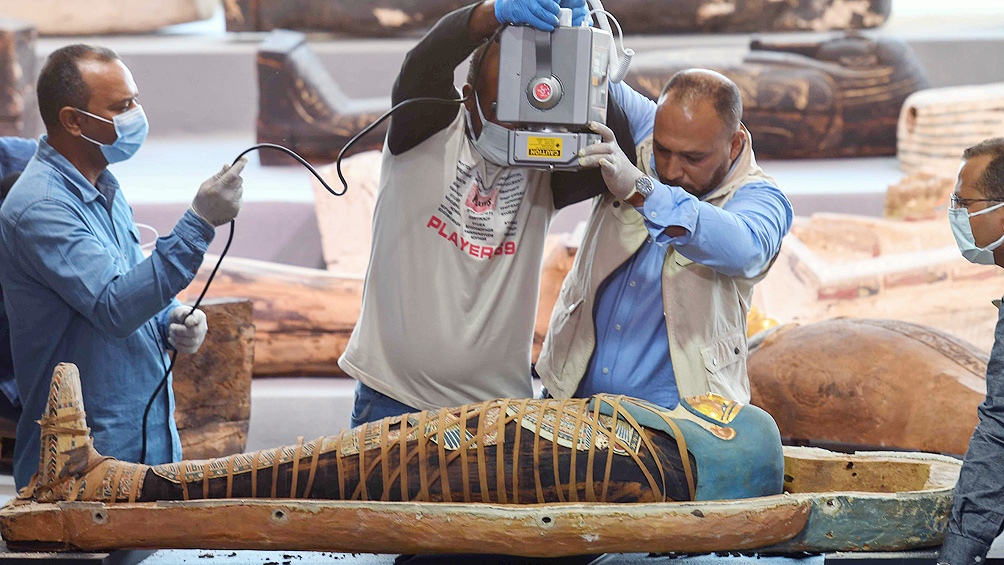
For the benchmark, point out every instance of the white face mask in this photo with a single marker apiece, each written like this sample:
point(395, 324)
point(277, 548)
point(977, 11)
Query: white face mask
point(131, 128)
point(962, 229)
point(493, 143)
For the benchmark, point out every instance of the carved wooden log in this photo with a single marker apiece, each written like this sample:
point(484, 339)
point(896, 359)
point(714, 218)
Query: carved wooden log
point(17, 77)
point(212, 388)
point(936, 125)
point(96, 17)
point(869, 383)
point(302, 317)
point(301, 107)
point(835, 98)
point(394, 17)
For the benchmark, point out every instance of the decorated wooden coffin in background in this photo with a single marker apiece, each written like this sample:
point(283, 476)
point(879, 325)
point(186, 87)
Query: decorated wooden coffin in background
point(18, 109)
point(394, 17)
point(301, 107)
point(839, 97)
point(869, 383)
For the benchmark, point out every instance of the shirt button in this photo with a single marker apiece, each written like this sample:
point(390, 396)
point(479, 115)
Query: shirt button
point(652, 214)
point(714, 362)
point(737, 351)
point(617, 327)
point(632, 283)
point(606, 371)
point(571, 308)
point(617, 203)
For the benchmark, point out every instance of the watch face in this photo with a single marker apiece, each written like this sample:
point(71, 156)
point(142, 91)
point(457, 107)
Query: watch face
point(644, 185)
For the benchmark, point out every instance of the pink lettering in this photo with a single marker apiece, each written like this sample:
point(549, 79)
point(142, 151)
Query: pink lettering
point(486, 252)
point(463, 243)
point(510, 248)
point(474, 250)
point(434, 223)
point(453, 238)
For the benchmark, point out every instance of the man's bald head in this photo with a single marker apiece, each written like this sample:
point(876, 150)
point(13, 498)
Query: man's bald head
point(690, 86)
point(697, 131)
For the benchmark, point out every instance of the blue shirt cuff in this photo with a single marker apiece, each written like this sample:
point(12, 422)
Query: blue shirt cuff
point(960, 550)
point(194, 230)
point(669, 206)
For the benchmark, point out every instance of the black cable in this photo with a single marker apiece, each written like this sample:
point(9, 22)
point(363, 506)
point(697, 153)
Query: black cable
point(345, 188)
point(205, 289)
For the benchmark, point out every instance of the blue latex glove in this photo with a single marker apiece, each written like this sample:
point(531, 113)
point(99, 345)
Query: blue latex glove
point(579, 10)
point(540, 14)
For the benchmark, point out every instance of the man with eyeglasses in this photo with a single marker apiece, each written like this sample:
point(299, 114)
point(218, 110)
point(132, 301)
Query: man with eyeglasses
point(977, 218)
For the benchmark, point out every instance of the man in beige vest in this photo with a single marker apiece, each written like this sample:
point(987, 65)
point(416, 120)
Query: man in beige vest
point(655, 305)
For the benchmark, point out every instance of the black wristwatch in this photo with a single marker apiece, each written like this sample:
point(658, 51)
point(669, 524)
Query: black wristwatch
point(644, 186)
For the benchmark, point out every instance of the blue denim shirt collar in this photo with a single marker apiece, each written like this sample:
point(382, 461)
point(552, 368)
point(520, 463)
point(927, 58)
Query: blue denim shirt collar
point(108, 184)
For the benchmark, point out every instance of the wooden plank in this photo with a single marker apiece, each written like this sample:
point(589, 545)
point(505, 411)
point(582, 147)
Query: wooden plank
point(401, 527)
point(871, 514)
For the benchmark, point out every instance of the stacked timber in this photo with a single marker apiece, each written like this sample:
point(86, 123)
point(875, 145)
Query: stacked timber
point(936, 125)
point(212, 388)
point(18, 113)
point(839, 97)
point(97, 17)
point(396, 17)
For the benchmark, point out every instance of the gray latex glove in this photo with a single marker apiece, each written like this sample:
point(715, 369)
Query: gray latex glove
point(619, 173)
point(219, 198)
point(187, 331)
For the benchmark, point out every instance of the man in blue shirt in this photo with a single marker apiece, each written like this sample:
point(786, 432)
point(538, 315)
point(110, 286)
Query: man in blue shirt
point(655, 305)
point(15, 152)
point(77, 287)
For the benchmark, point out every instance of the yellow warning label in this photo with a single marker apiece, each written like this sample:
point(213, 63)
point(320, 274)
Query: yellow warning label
point(546, 147)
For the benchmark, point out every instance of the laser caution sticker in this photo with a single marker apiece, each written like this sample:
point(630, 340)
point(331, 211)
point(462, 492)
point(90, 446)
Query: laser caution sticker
point(546, 147)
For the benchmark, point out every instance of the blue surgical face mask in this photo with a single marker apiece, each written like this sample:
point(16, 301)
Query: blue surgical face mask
point(963, 232)
point(131, 128)
point(493, 143)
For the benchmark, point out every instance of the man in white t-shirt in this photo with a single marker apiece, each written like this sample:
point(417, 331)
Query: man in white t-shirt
point(451, 289)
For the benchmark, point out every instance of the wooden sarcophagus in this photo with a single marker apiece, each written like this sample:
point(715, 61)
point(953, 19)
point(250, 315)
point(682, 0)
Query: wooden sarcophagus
point(560, 477)
point(869, 383)
point(839, 97)
point(394, 17)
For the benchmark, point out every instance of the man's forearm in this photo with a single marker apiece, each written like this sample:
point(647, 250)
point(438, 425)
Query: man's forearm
point(428, 71)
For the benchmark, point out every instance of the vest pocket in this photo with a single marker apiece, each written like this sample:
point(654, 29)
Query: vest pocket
point(561, 333)
point(724, 351)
